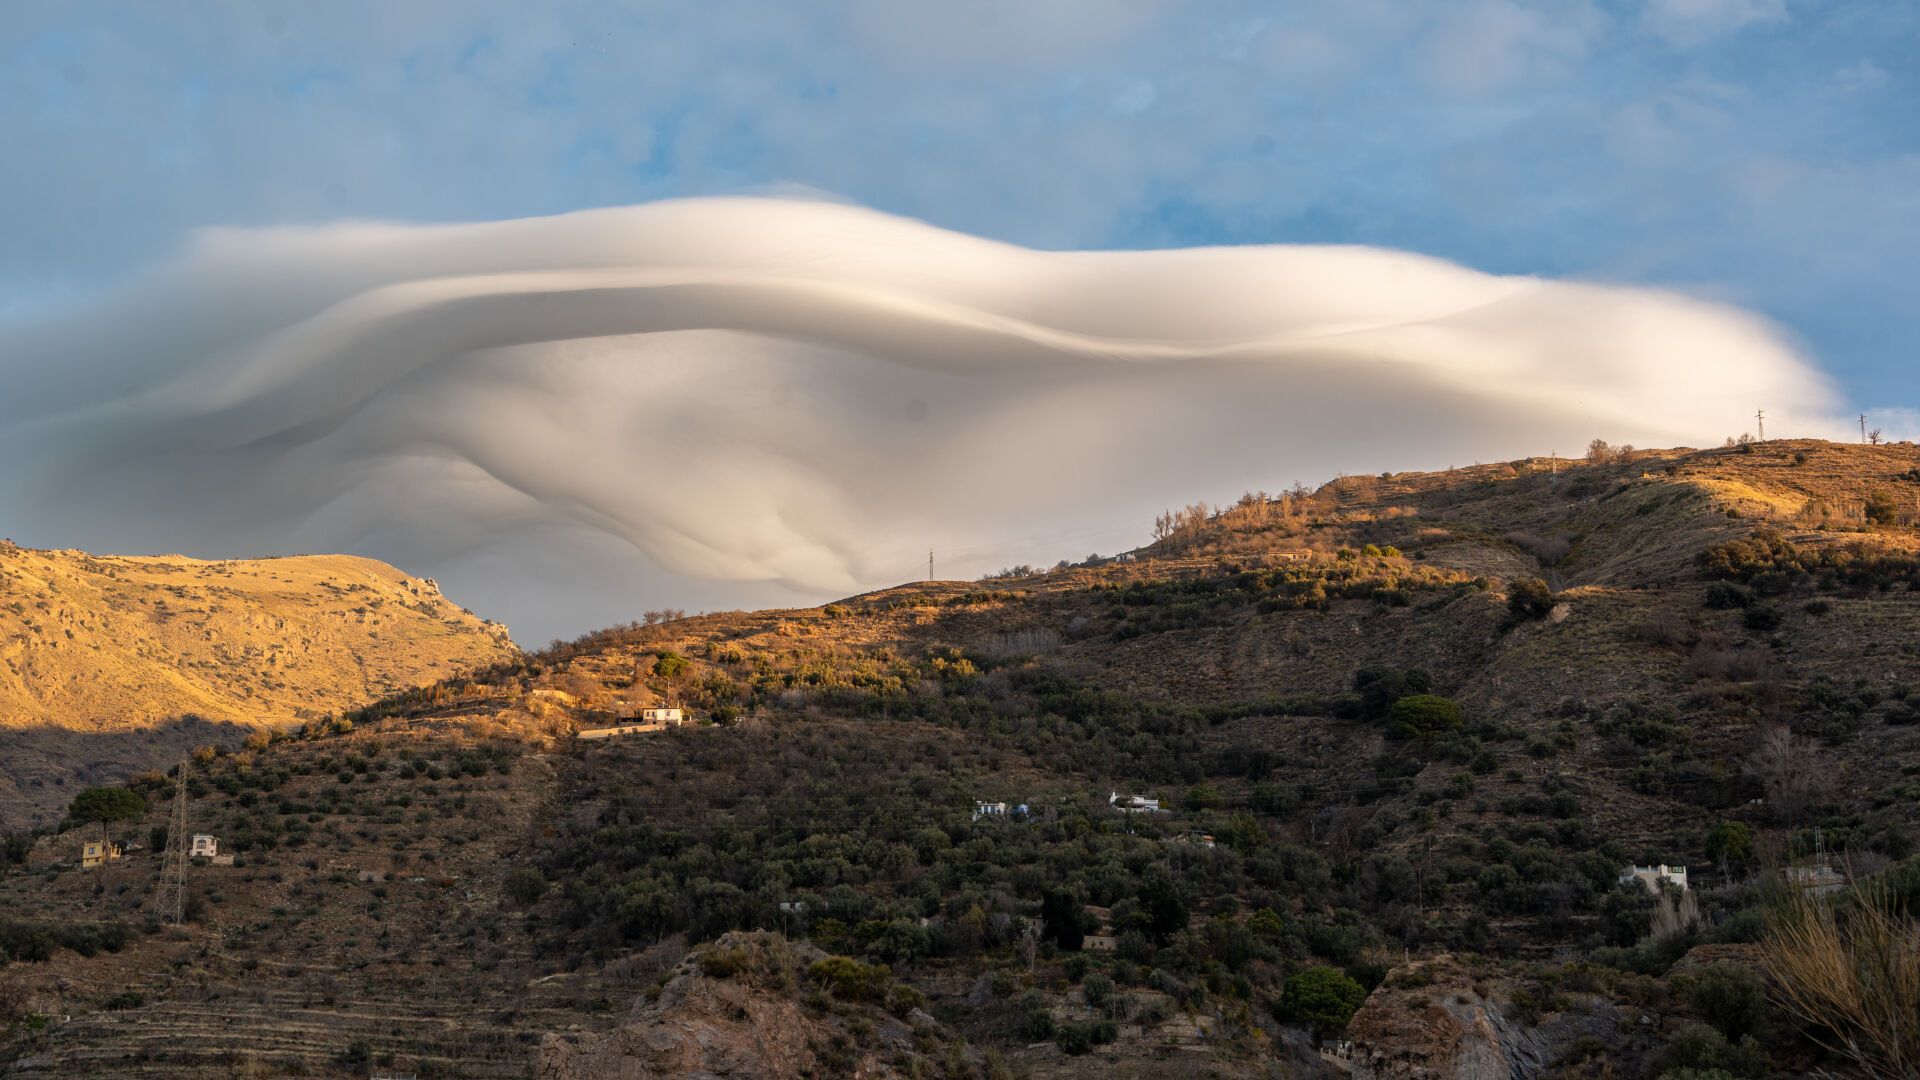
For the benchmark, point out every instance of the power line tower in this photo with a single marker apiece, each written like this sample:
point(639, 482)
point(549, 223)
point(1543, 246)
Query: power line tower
point(173, 871)
point(1863, 427)
point(929, 566)
point(1760, 418)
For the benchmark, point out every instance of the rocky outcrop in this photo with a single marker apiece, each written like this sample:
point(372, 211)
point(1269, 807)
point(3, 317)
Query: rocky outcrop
point(1434, 1020)
point(740, 1008)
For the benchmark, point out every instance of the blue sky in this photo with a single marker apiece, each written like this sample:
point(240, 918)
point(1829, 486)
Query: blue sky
point(1765, 152)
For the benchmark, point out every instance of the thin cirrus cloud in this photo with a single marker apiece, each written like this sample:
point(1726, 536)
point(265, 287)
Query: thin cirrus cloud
point(713, 402)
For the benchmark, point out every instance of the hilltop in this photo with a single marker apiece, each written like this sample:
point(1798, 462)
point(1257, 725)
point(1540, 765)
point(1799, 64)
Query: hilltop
point(1405, 731)
point(111, 664)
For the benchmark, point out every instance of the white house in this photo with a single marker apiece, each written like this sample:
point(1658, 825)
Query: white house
point(1817, 880)
point(204, 846)
point(1133, 804)
point(989, 809)
point(662, 716)
point(1652, 876)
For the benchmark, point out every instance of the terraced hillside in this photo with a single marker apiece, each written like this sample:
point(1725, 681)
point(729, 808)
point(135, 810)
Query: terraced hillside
point(1403, 729)
point(101, 657)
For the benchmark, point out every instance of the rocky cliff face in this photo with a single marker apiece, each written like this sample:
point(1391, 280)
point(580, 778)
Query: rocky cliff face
point(102, 657)
point(741, 1008)
point(1437, 1019)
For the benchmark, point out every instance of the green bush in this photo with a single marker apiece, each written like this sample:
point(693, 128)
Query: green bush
point(1323, 998)
point(525, 886)
point(1036, 1025)
point(1098, 988)
point(1702, 1048)
point(1377, 688)
point(1730, 998)
point(1424, 716)
point(719, 963)
point(850, 980)
point(1075, 1038)
point(1529, 598)
point(1727, 595)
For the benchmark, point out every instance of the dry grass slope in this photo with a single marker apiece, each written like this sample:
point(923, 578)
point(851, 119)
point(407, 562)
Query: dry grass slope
point(105, 646)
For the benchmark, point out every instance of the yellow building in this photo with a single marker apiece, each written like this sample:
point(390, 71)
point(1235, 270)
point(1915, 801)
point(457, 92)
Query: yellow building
point(97, 853)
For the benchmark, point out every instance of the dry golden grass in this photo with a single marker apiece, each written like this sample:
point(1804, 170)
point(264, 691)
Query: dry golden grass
point(1850, 972)
point(101, 646)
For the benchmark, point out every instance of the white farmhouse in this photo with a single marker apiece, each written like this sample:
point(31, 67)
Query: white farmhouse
point(204, 846)
point(663, 716)
point(1652, 876)
point(989, 809)
point(1133, 804)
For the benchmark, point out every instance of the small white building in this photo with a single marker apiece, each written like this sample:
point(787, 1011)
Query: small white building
point(1652, 876)
point(989, 809)
point(668, 717)
point(1133, 804)
point(204, 846)
point(1817, 880)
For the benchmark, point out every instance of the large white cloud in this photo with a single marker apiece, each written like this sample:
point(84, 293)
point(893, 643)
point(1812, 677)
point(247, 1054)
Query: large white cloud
point(722, 401)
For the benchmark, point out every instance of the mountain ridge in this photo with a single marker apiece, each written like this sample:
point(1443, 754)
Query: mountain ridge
point(111, 644)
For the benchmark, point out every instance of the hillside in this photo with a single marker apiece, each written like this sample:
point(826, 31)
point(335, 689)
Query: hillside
point(102, 656)
point(1405, 731)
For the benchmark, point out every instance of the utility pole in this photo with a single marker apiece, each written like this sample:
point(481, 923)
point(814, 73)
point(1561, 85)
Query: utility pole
point(1863, 427)
point(929, 565)
point(173, 870)
point(1760, 418)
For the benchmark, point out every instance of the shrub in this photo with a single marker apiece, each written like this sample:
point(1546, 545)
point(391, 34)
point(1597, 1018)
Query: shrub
point(1075, 1038)
point(1036, 1025)
point(849, 979)
point(1423, 716)
point(1730, 998)
point(719, 963)
point(1529, 598)
point(1377, 688)
point(1701, 1048)
point(903, 999)
point(1098, 988)
point(1762, 617)
point(1883, 509)
point(525, 886)
point(1727, 595)
point(1323, 998)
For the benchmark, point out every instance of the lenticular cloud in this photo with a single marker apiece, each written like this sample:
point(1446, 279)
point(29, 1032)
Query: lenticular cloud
point(573, 416)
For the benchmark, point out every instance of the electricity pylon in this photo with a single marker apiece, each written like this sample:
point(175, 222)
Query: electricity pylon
point(173, 871)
